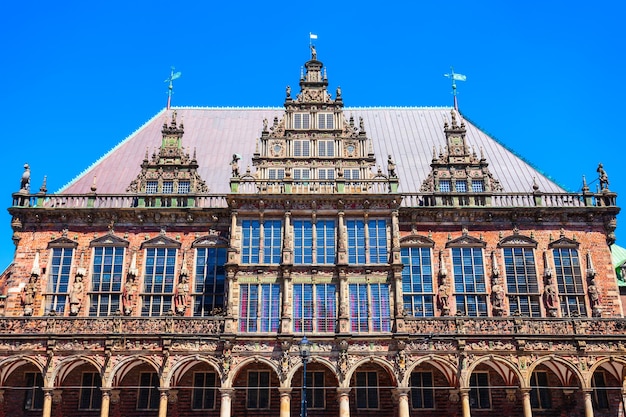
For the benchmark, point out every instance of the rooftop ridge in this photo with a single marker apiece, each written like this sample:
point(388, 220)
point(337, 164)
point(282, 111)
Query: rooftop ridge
point(282, 108)
point(113, 149)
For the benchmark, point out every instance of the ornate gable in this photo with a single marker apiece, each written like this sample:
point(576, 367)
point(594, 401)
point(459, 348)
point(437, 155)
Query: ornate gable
point(314, 148)
point(62, 242)
point(171, 170)
point(109, 240)
point(213, 239)
point(564, 242)
point(517, 240)
point(417, 240)
point(161, 241)
point(457, 168)
point(466, 241)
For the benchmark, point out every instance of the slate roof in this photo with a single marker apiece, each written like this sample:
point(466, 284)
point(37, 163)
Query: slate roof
point(408, 134)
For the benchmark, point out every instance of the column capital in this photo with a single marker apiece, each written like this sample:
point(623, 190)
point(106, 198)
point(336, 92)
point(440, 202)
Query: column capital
point(343, 391)
point(227, 392)
point(401, 391)
point(285, 391)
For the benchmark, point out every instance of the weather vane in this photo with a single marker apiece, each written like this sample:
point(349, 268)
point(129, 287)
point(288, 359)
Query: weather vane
point(455, 77)
point(173, 76)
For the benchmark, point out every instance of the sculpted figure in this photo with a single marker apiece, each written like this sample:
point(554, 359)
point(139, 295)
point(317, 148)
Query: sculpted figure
point(497, 299)
point(28, 295)
point(25, 182)
point(551, 299)
point(182, 295)
point(442, 296)
point(391, 167)
point(603, 178)
point(234, 164)
point(76, 295)
point(594, 296)
point(313, 53)
point(128, 295)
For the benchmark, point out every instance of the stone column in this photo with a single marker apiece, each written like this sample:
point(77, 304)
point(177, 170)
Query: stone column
point(526, 406)
point(588, 403)
point(47, 402)
point(106, 400)
point(402, 396)
point(344, 401)
point(465, 404)
point(225, 406)
point(285, 402)
point(163, 402)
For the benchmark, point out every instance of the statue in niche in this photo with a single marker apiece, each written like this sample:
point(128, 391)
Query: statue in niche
point(603, 178)
point(28, 295)
point(551, 299)
point(442, 298)
point(128, 295)
point(76, 295)
point(594, 295)
point(182, 295)
point(497, 298)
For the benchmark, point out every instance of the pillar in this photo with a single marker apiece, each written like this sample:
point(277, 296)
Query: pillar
point(344, 401)
point(465, 404)
point(106, 400)
point(526, 406)
point(285, 402)
point(47, 402)
point(402, 396)
point(588, 403)
point(225, 405)
point(163, 402)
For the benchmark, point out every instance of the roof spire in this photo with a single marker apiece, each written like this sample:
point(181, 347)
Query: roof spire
point(172, 77)
point(455, 77)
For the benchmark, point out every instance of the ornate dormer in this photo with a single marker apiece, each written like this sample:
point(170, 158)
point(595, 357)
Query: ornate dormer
point(458, 168)
point(171, 170)
point(313, 148)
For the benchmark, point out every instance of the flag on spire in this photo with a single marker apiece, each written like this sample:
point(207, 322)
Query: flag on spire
point(172, 77)
point(312, 35)
point(455, 77)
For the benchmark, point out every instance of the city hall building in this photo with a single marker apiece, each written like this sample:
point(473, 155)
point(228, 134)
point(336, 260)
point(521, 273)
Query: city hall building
point(386, 262)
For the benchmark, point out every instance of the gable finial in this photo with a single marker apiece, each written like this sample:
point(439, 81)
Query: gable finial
point(454, 78)
point(171, 78)
point(44, 189)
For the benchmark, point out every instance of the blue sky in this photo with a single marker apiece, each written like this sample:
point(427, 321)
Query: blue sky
point(543, 77)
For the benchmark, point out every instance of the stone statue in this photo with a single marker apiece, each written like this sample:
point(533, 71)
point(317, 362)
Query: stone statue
point(442, 298)
point(28, 295)
point(497, 299)
point(25, 182)
point(265, 125)
point(182, 295)
point(288, 91)
point(338, 93)
point(76, 295)
point(234, 164)
point(603, 178)
point(550, 297)
point(594, 296)
point(391, 167)
point(128, 295)
point(313, 53)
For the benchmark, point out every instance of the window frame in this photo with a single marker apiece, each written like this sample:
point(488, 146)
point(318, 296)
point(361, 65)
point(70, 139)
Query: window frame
point(301, 148)
point(59, 279)
point(209, 279)
point(259, 390)
point(571, 285)
point(371, 393)
point(315, 393)
point(301, 121)
point(314, 307)
point(34, 395)
point(205, 390)
point(90, 391)
point(522, 281)
point(422, 391)
point(479, 390)
point(540, 396)
point(99, 272)
point(325, 121)
point(418, 282)
point(149, 391)
point(158, 280)
point(470, 284)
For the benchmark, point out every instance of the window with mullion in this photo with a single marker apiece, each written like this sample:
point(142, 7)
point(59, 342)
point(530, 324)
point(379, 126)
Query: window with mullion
point(539, 391)
point(301, 147)
point(90, 393)
point(272, 241)
point(422, 390)
point(479, 390)
point(325, 121)
point(315, 397)
point(521, 281)
point(148, 395)
point(303, 242)
point(248, 307)
point(270, 307)
point(570, 281)
point(106, 280)
point(58, 280)
point(301, 120)
point(204, 386)
point(367, 390)
point(358, 307)
point(417, 281)
point(469, 281)
point(314, 307)
point(356, 241)
point(258, 390)
point(325, 241)
point(381, 321)
point(600, 395)
point(158, 281)
point(377, 235)
point(325, 148)
point(250, 241)
point(33, 398)
point(210, 278)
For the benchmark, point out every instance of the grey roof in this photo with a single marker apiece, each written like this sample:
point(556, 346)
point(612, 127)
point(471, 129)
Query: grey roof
point(408, 134)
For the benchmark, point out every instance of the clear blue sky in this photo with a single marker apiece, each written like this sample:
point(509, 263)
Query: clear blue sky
point(543, 77)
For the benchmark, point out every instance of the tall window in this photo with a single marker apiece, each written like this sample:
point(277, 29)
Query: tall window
point(445, 186)
point(210, 278)
point(301, 174)
point(326, 174)
point(314, 307)
point(469, 281)
point(600, 395)
point(569, 279)
point(58, 280)
point(521, 281)
point(148, 395)
point(301, 120)
point(479, 390)
point(90, 393)
point(106, 280)
point(258, 392)
point(369, 300)
point(271, 241)
point(276, 173)
point(325, 121)
point(325, 148)
point(204, 386)
point(259, 313)
point(366, 390)
point(250, 241)
point(158, 281)
point(314, 242)
point(539, 391)
point(417, 281)
point(376, 237)
point(422, 390)
point(315, 397)
point(351, 174)
point(301, 148)
point(33, 399)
